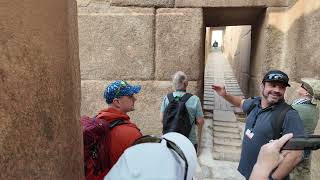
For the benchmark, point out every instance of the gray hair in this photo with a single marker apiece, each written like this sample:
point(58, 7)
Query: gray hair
point(179, 80)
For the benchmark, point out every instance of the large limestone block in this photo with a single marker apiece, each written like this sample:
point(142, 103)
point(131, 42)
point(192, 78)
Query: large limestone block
point(230, 3)
point(290, 37)
point(147, 106)
point(81, 3)
point(116, 43)
point(179, 43)
point(143, 3)
point(40, 131)
point(275, 41)
point(303, 55)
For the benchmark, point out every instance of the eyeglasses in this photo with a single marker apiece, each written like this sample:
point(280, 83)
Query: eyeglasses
point(122, 85)
point(276, 77)
point(170, 145)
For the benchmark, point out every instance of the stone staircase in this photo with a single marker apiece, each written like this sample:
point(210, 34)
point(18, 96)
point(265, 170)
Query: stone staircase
point(220, 142)
point(226, 131)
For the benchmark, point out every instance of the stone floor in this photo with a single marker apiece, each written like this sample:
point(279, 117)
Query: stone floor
point(221, 138)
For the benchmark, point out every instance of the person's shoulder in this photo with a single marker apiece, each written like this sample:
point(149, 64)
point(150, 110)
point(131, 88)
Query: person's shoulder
point(292, 114)
point(250, 103)
point(126, 130)
point(254, 99)
point(194, 97)
point(292, 111)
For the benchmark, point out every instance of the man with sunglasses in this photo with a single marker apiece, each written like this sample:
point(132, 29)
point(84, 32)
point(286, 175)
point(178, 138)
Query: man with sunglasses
point(259, 129)
point(120, 97)
point(309, 113)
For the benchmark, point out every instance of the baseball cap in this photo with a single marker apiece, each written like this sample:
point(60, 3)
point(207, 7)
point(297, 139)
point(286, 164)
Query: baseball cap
point(156, 160)
point(276, 76)
point(120, 88)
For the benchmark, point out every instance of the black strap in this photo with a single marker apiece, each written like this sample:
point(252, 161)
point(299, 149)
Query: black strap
point(116, 122)
point(186, 97)
point(170, 97)
point(277, 119)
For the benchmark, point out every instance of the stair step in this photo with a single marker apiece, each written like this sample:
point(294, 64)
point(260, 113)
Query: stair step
point(227, 141)
point(208, 98)
point(226, 124)
point(234, 157)
point(208, 107)
point(208, 95)
point(226, 153)
point(208, 114)
point(226, 129)
point(224, 116)
point(226, 134)
point(226, 148)
point(208, 102)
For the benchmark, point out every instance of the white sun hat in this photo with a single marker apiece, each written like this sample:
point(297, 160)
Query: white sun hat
point(156, 161)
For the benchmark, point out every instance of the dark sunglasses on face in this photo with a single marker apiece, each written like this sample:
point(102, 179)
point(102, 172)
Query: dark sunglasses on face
point(170, 145)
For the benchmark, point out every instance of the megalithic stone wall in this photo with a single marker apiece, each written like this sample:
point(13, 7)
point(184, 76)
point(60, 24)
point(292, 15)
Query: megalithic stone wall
point(142, 45)
point(237, 42)
point(179, 43)
point(145, 42)
point(40, 131)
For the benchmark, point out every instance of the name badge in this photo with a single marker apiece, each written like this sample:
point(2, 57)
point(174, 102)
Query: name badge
point(249, 133)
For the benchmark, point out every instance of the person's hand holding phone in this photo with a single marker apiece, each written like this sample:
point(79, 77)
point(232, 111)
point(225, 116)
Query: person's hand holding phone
point(269, 157)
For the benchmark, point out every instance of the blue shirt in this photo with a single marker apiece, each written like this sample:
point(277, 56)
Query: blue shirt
point(193, 106)
point(259, 122)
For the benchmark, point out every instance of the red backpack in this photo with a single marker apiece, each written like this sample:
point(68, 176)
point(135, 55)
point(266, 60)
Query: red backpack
point(96, 145)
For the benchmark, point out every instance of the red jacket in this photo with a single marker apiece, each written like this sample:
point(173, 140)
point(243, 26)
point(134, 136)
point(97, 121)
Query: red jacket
point(121, 137)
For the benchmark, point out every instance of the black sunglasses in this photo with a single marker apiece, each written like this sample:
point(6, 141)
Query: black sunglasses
point(276, 77)
point(122, 85)
point(170, 145)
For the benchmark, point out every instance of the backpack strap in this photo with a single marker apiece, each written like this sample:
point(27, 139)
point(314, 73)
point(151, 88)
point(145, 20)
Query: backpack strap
point(170, 97)
point(186, 97)
point(116, 122)
point(277, 119)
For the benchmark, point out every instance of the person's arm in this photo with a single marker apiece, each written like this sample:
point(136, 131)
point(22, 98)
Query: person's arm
point(162, 108)
point(200, 122)
point(286, 166)
point(269, 157)
point(235, 100)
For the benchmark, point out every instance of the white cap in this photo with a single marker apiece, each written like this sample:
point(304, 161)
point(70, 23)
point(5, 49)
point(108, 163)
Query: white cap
point(155, 161)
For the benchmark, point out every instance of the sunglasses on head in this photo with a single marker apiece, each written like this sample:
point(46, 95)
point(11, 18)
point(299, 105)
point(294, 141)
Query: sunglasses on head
point(276, 76)
point(122, 85)
point(170, 145)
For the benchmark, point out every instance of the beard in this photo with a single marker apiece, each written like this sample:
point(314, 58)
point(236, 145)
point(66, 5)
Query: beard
point(272, 97)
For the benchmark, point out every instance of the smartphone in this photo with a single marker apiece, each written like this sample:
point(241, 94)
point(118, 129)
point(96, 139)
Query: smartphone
point(311, 142)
